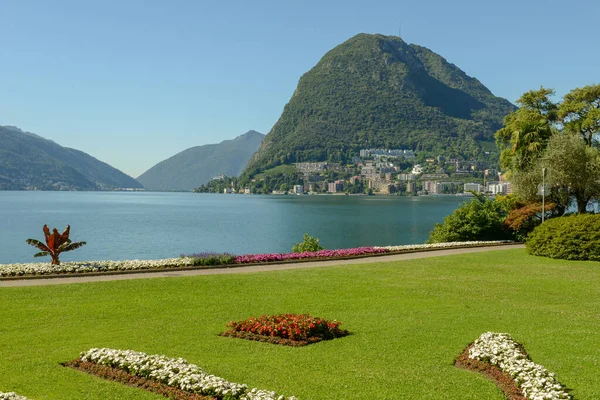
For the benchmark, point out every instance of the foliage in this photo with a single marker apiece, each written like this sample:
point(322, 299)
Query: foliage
point(308, 243)
point(377, 91)
point(573, 237)
point(206, 259)
point(526, 131)
point(572, 171)
point(56, 243)
point(526, 216)
point(301, 327)
point(479, 219)
point(580, 112)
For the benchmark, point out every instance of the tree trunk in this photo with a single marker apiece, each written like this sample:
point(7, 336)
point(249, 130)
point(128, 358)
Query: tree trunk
point(581, 205)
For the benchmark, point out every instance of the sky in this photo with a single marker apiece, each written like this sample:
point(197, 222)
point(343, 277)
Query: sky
point(134, 82)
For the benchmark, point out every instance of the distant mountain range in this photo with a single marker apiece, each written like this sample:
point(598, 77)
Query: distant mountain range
point(376, 91)
point(28, 161)
point(195, 166)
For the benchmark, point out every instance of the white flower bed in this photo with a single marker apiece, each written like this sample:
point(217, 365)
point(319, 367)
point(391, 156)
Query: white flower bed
point(11, 396)
point(441, 245)
point(176, 372)
point(91, 266)
point(501, 350)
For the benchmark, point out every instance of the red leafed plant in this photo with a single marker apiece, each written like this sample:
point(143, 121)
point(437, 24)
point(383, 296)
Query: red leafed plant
point(56, 243)
point(293, 327)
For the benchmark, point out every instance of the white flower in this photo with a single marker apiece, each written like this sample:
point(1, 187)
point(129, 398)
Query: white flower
point(11, 396)
point(177, 373)
point(446, 245)
point(501, 350)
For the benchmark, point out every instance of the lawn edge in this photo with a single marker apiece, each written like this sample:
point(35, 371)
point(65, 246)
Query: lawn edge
point(231, 266)
point(503, 381)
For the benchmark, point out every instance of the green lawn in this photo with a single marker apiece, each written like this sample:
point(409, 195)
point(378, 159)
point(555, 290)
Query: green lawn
point(410, 320)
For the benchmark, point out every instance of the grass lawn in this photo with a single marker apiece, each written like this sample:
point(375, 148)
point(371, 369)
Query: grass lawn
point(409, 320)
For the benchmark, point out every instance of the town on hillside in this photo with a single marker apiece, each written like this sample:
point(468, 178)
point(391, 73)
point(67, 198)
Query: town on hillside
point(372, 172)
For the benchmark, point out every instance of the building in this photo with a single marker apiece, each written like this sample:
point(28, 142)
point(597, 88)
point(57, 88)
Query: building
point(417, 169)
point(406, 177)
point(336, 187)
point(411, 187)
point(228, 191)
point(298, 189)
point(476, 187)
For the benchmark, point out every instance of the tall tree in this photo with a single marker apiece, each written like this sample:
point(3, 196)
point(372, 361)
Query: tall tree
point(573, 174)
point(527, 130)
point(580, 112)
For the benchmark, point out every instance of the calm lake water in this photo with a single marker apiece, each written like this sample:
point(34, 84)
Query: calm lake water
point(147, 225)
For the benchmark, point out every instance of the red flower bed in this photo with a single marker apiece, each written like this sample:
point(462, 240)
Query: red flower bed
point(290, 329)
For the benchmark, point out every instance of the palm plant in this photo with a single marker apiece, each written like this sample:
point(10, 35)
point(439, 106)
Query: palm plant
point(56, 243)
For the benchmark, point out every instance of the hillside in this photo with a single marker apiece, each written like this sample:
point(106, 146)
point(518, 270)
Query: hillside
point(29, 161)
point(196, 165)
point(376, 91)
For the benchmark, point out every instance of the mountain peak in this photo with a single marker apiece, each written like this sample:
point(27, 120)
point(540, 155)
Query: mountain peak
point(379, 91)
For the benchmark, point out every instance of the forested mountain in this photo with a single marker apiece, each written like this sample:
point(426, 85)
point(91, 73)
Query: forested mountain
point(28, 161)
point(196, 165)
point(376, 91)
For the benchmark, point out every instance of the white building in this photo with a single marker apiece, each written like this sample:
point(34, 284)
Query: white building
point(417, 169)
point(476, 187)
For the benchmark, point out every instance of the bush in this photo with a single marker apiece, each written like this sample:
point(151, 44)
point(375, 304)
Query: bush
point(210, 258)
point(574, 237)
point(308, 244)
point(481, 219)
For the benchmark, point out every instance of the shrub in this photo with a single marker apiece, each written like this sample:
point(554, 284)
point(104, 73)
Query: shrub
point(479, 219)
point(56, 243)
point(574, 237)
point(308, 244)
point(210, 258)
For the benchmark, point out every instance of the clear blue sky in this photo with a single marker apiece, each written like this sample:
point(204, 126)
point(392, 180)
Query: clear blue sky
point(133, 82)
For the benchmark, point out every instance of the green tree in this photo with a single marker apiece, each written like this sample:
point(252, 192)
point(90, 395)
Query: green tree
point(572, 174)
point(479, 219)
point(574, 167)
point(527, 130)
point(580, 112)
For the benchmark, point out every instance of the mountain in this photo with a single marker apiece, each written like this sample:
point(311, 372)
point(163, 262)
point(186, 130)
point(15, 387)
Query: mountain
point(29, 161)
point(376, 91)
point(196, 165)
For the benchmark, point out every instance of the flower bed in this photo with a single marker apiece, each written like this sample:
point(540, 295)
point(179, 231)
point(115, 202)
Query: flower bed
point(447, 245)
point(11, 396)
point(499, 356)
point(212, 259)
point(260, 258)
point(288, 329)
point(176, 373)
point(7, 270)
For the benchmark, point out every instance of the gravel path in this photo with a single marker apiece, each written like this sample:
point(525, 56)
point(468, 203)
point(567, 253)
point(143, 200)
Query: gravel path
point(252, 268)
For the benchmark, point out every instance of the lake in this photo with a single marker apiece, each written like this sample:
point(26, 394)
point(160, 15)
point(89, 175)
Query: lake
point(152, 225)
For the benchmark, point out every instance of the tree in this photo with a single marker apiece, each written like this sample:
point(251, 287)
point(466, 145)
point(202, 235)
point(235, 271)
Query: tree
point(527, 130)
point(56, 243)
point(479, 219)
point(575, 167)
point(580, 112)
